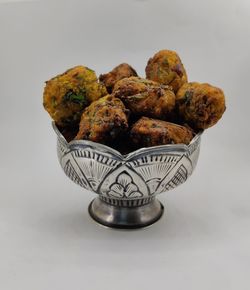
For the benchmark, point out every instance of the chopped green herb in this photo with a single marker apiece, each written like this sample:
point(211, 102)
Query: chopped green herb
point(138, 96)
point(89, 69)
point(165, 61)
point(53, 101)
point(79, 98)
point(188, 97)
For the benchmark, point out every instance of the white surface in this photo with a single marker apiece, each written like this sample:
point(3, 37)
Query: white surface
point(47, 240)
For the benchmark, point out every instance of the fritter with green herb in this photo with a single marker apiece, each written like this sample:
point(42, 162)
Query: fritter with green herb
point(66, 95)
point(145, 98)
point(103, 121)
point(200, 105)
point(121, 71)
point(148, 132)
point(165, 67)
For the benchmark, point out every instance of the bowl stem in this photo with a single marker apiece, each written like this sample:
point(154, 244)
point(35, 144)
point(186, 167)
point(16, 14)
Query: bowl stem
point(125, 217)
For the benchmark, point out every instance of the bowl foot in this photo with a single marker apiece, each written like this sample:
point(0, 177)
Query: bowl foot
point(125, 217)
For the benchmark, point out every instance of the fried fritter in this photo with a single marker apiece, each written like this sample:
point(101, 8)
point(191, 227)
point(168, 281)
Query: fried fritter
point(66, 95)
point(149, 132)
point(145, 98)
point(165, 67)
point(121, 71)
point(103, 121)
point(200, 105)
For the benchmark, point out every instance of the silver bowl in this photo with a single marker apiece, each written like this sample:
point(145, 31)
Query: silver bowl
point(126, 185)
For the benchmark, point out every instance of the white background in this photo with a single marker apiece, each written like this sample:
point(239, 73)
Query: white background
point(47, 240)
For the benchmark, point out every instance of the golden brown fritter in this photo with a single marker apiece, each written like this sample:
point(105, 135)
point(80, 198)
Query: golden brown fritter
point(149, 132)
point(165, 67)
point(121, 71)
point(66, 95)
point(145, 98)
point(200, 105)
point(103, 121)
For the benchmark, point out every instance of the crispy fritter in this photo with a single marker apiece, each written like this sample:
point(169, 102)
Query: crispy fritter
point(145, 98)
point(121, 71)
point(165, 67)
point(66, 95)
point(149, 132)
point(103, 121)
point(200, 105)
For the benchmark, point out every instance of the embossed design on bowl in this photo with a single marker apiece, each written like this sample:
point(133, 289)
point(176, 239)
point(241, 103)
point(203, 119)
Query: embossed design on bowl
point(130, 180)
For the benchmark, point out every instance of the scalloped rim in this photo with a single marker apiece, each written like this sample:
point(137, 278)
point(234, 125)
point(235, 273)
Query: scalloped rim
point(74, 144)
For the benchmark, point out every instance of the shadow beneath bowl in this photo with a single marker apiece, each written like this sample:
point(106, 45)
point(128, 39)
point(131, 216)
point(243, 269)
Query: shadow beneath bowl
point(175, 229)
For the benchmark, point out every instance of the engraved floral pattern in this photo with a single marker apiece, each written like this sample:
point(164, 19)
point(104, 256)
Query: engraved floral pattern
point(124, 187)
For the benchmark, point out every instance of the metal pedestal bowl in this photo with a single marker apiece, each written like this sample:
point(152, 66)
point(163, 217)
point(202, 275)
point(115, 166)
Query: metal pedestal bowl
point(126, 185)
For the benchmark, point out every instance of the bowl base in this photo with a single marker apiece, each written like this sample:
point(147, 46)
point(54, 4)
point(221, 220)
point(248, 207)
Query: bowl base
point(125, 217)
